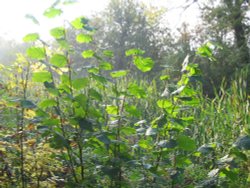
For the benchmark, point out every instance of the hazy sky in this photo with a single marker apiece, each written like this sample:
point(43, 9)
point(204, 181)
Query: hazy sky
point(14, 25)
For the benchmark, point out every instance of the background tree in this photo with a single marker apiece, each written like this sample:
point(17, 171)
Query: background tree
point(127, 24)
point(225, 24)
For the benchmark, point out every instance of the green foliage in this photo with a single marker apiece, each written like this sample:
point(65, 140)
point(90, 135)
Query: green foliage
point(32, 37)
point(107, 128)
point(52, 12)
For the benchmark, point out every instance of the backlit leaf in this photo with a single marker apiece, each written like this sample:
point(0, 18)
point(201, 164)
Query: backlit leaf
point(52, 12)
point(133, 52)
point(143, 64)
point(32, 37)
point(117, 74)
point(58, 60)
point(112, 110)
point(105, 66)
point(137, 91)
point(79, 23)
point(84, 38)
point(58, 32)
point(41, 76)
point(36, 53)
point(88, 54)
point(108, 53)
point(47, 103)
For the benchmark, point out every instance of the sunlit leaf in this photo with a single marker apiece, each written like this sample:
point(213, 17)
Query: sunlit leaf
point(58, 60)
point(112, 110)
point(84, 38)
point(105, 66)
point(137, 91)
point(47, 103)
point(145, 144)
point(58, 32)
point(117, 74)
point(108, 53)
point(143, 64)
point(52, 12)
point(165, 77)
point(88, 54)
point(79, 23)
point(133, 52)
point(32, 37)
point(41, 76)
point(164, 103)
point(36, 53)
point(132, 110)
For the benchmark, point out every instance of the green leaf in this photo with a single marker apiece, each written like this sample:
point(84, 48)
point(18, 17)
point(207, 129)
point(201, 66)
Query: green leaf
point(81, 100)
point(99, 78)
point(117, 74)
point(79, 23)
point(36, 53)
point(137, 91)
point(132, 110)
point(103, 138)
point(128, 131)
point(58, 32)
point(85, 124)
point(52, 12)
point(165, 77)
point(133, 52)
point(94, 94)
point(80, 83)
point(105, 66)
point(145, 144)
point(32, 37)
point(88, 54)
point(41, 76)
point(108, 53)
point(59, 142)
point(27, 104)
point(164, 103)
point(47, 103)
point(58, 60)
point(143, 64)
point(112, 110)
point(186, 143)
point(84, 38)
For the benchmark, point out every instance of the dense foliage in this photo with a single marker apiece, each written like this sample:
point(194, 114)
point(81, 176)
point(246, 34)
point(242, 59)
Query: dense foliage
point(102, 126)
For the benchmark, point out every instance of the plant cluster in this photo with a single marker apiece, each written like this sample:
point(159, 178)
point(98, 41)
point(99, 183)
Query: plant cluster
point(104, 128)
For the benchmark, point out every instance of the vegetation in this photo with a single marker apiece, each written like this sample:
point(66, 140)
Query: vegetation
point(96, 124)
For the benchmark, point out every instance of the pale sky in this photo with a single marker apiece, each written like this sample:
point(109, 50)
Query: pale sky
point(14, 25)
